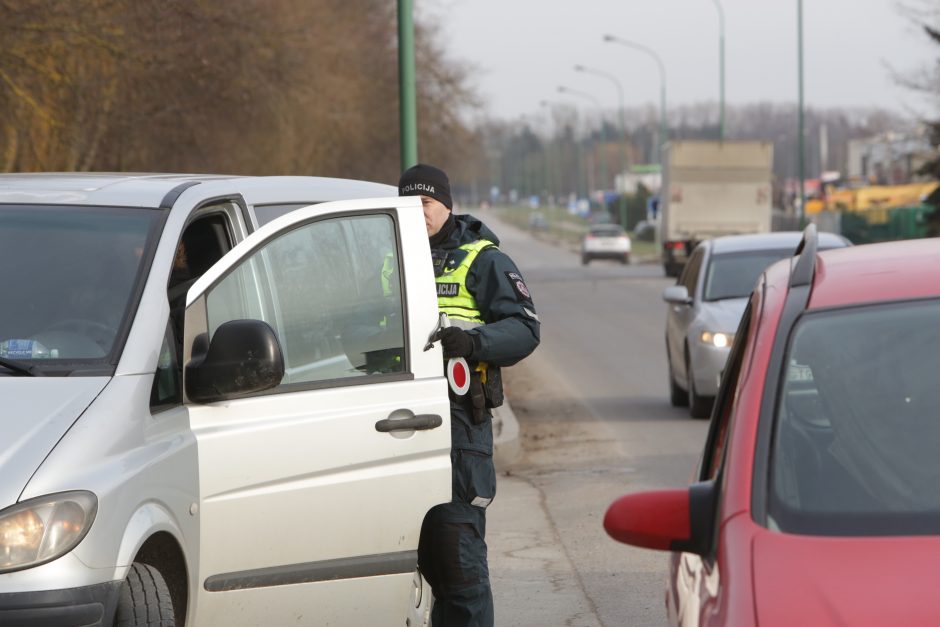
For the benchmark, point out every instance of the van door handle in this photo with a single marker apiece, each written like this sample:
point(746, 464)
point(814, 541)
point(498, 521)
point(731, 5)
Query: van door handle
point(417, 422)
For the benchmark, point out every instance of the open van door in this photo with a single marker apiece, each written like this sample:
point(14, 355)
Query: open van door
point(322, 427)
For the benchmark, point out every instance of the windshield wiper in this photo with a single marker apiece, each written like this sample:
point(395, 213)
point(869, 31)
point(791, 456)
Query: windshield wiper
point(18, 368)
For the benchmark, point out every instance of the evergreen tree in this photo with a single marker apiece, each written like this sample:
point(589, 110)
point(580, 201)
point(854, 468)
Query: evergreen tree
point(932, 167)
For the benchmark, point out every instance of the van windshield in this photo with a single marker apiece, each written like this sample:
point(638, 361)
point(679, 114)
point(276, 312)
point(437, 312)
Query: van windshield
point(70, 280)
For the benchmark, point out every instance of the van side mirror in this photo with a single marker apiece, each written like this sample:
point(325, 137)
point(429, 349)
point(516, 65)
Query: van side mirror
point(243, 357)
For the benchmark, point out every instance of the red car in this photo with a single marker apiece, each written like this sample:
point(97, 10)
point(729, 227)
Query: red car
point(818, 494)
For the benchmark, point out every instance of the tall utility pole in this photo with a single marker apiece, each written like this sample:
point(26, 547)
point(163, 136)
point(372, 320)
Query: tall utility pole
point(407, 102)
point(721, 70)
point(623, 136)
point(663, 131)
point(549, 161)
point(799, 20)
point(581, 94)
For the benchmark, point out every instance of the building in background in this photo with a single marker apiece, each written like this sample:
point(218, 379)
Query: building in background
point(887, 159)
point(648, 174)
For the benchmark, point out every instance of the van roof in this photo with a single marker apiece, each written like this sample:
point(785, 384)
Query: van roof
point(121, 189)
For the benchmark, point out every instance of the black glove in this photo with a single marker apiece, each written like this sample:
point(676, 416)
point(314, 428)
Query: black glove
point(456, 342)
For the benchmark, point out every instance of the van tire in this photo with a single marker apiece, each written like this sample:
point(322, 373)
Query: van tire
point(144, 600)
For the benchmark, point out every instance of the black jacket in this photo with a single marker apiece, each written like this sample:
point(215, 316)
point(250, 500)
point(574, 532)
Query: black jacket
point(511, 331)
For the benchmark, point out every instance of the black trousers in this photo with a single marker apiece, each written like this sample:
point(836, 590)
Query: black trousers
point(452, 547)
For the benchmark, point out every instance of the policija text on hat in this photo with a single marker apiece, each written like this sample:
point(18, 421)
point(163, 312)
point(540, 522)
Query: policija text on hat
point(493, 324)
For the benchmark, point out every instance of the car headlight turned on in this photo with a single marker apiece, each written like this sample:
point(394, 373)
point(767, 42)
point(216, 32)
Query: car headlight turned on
point(42, 529)
point(718, 340)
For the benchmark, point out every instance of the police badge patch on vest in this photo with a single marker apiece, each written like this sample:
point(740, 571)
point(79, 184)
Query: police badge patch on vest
point(518, 286)
point(446, 261)
point(448, 289)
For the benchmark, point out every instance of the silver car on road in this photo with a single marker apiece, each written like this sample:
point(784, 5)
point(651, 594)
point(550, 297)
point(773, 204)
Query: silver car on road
point(706, 304)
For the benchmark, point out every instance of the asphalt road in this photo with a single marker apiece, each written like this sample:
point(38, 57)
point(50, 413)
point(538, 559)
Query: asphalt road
point(595, 423)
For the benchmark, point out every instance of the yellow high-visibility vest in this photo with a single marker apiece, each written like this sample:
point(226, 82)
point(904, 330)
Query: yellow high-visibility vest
point(453, 297)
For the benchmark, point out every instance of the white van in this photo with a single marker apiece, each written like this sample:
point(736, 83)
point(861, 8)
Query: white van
point(215, 406)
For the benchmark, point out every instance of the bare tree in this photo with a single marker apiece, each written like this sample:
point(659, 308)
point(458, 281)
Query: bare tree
point(57, 82)
point(240, 86)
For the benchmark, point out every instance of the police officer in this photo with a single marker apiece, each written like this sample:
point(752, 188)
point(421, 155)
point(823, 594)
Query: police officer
point(493, 324)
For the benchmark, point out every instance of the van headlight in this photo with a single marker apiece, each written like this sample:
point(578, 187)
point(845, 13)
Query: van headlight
point(717, 339)
point(40, 530)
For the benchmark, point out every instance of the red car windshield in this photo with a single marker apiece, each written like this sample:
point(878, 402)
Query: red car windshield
point(857, 434)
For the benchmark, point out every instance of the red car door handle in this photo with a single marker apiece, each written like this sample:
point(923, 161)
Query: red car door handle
point(419, 421)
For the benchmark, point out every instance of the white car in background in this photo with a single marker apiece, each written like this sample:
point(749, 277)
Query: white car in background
point(706, 304)
point(605, 241)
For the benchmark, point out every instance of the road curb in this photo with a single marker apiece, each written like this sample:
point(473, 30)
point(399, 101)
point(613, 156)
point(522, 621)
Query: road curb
point(506, 445)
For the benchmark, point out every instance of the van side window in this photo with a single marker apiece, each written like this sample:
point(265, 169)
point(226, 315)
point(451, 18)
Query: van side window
point(203, 243)
point(266, 213)
point(331, 290)
point(167, 384)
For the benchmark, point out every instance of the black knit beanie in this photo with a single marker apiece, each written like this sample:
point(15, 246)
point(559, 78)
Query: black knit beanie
point(426, 180)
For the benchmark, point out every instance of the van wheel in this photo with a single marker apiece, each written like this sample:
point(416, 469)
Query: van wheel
point(585, 260)
point(626, 259)
point(144, 600)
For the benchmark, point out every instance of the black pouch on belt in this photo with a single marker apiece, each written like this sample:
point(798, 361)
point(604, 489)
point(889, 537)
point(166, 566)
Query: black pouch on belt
point(493, 388)
point(477, 399)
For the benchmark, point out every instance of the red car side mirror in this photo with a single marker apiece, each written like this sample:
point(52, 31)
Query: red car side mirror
point(651, 520)
point(666, 520)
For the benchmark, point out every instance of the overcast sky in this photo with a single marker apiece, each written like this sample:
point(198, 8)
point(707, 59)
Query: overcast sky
point(524, 49)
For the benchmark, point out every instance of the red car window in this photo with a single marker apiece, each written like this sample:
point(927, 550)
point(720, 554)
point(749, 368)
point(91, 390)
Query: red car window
point(857, 429)
point(724, 403)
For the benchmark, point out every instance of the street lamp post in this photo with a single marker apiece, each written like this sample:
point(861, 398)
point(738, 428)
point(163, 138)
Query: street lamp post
point(721, 69)
point(663, 132)
point(529, 184)
point(407, 101)
point(549, 162)
point(623, 135)
point(574, 92)
point(799, 20)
